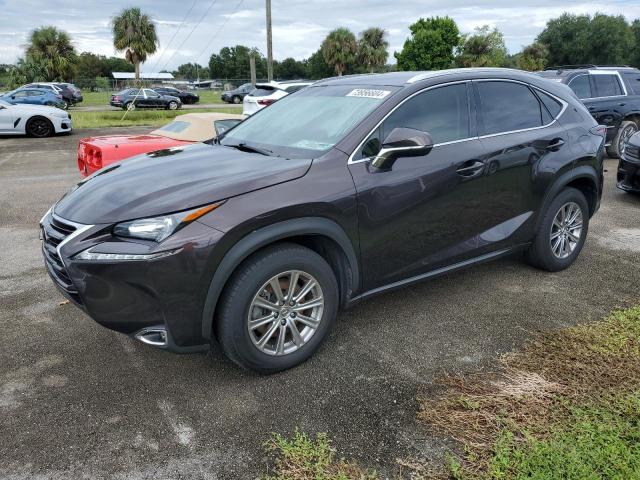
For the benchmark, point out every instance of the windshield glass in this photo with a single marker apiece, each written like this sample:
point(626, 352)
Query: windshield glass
point(4, 104)
point(309, 122)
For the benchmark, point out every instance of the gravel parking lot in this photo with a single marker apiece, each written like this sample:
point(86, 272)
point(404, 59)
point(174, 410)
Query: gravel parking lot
point(79, 401)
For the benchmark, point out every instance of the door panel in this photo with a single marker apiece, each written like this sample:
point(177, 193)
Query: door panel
point(6, 120)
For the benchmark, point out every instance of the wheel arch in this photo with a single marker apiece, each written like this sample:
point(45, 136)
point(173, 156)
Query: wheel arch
point(583, 178)
point(322, 235)
point(35, 117)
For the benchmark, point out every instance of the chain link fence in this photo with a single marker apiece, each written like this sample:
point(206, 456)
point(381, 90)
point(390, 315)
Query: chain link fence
point(108, 84)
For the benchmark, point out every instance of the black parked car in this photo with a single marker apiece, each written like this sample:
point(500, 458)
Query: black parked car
point(186, 98)
point(143, 98)
point(612, 95)
point(237, 95)
point(629, 166)
point(351, 187)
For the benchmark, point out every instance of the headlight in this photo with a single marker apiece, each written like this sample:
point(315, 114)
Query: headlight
point(159, 228)
point(61, 114)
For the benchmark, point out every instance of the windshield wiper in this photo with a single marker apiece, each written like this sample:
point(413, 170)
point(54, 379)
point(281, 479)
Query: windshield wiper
point(248, 148)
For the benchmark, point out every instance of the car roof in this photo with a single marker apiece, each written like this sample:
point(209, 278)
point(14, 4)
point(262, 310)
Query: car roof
point(403, 79)
point(564, 70)
point(200, 128)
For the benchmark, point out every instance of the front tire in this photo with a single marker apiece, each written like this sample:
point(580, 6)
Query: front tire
point(277, 308)
point(236, 99)
point(39, 127)
point(172, 106)
point(626, 130)
point(562, 232)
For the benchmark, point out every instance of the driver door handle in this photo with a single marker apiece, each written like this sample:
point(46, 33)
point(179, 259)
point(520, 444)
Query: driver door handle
point(470, 168)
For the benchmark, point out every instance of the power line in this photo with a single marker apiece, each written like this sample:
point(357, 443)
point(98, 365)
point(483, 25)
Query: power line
point(157, 62)
point(219, 30)
point(190, 33)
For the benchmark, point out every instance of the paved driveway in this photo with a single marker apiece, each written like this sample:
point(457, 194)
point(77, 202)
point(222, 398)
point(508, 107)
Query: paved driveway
point(79, 401)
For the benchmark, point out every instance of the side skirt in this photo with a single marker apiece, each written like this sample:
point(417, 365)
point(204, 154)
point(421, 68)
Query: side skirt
point(438, 272)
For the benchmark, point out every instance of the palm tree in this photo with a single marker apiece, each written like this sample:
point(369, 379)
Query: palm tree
point(135, 33)
point(52, 51)
point(372, 48)
point(339, 49)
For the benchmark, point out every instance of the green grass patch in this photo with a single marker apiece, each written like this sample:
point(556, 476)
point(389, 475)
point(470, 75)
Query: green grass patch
point(152, 118)
point(102, 98)
point(305, 458)
point(565, 406)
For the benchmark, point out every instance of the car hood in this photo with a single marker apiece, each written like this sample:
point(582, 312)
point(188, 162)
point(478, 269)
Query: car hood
point(41, 109)
point(177, 179)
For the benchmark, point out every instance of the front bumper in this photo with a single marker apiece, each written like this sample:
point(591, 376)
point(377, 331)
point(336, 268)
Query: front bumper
point(131, 296)
point(628, 175)
point(62, 125)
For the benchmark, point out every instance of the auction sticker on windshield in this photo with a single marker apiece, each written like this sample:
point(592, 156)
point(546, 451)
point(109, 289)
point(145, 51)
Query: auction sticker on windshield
point(368, 93)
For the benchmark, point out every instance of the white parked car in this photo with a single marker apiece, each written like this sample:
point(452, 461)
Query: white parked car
point(266, 93)
point(33, 120)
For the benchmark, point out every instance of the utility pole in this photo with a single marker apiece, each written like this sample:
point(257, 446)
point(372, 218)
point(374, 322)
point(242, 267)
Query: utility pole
point(269, 45)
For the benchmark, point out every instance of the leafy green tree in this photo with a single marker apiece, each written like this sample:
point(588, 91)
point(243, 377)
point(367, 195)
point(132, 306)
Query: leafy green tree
point(317, 67)
point(483, 48)
point(339, 49)
point(431, 45)
point(372, 49)
point(52, 50)
point(135, 33)
point(582, 39)
point(635, 53)
point(289, 69)
point(533, 57)
point(233, 63)
point(191, 71)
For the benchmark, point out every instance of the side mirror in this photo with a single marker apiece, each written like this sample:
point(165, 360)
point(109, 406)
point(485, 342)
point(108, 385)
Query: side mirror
point(402, 142)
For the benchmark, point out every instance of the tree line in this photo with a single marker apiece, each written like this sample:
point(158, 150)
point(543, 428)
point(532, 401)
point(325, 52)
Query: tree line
point(433, 43)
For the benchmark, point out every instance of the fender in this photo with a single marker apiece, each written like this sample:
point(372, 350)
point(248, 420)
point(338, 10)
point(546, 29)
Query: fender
point(561, 182)
point(265, 236)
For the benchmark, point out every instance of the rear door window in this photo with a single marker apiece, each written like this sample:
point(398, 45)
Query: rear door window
point(633, 82)
point(508, 106)
point(606, 85)
point(581, 86)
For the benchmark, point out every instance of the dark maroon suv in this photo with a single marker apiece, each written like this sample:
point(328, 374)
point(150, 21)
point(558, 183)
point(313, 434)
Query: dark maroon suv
point(351, 187)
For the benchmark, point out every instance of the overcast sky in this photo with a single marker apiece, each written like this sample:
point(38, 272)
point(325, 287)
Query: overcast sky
point(298, 26)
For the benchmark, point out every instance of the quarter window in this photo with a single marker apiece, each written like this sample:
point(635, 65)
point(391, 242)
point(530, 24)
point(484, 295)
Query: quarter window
point(581, 86)
point(552, 105)
point(633, 82)
point(607, 85)
point(508, 106)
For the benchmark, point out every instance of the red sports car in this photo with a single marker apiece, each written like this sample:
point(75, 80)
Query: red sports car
point(97, 152)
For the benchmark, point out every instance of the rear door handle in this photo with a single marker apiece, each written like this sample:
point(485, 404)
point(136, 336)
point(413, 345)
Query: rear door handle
point(470, 168)
point(555, 144)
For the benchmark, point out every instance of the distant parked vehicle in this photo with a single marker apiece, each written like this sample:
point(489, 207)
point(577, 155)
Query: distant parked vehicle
point(144, 98)
point(34, 96)
point(186, 98)
point(266, 93)
point(629, 166)
point(97, 152)
point(69, 92)
point(33, 120)
point(237, 95)
point(611, 94)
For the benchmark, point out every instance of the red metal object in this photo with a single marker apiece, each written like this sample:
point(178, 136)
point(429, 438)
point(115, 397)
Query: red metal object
point(97, 152)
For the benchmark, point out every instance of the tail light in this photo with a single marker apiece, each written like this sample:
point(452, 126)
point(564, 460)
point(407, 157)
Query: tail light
point(266, 102)
point(115, 98)
point(599, 130)
point(59, 97)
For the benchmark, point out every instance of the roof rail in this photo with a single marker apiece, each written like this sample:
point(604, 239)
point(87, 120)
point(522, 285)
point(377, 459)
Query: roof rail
point(571, 67)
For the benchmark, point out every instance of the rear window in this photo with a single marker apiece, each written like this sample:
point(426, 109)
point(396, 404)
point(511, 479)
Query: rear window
point(607, 85)
point(294, 88)
point(175, 127)
point(262, 91)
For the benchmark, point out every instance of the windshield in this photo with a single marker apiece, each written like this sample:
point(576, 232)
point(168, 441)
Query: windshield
point(308, 123)
point(4, 104)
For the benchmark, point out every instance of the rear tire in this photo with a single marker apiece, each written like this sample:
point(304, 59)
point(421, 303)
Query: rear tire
point(129, 106)
point(39, 127)
point(562, 232)
point(627, 128)
point(251, 286)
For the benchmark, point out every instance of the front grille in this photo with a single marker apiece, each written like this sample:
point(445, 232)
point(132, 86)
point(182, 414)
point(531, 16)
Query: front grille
point(54, 232)
point(632, 152)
